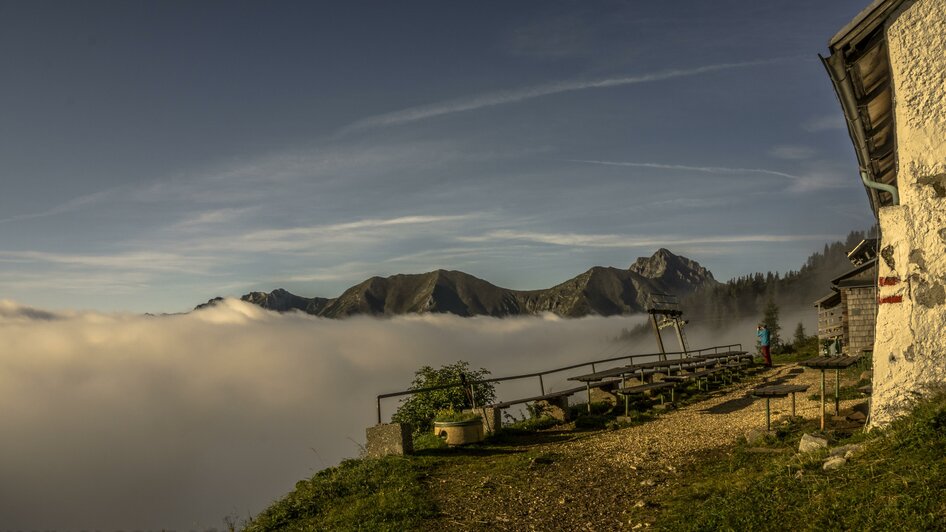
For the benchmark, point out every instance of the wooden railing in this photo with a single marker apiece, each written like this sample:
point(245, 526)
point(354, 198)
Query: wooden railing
point(541, 374)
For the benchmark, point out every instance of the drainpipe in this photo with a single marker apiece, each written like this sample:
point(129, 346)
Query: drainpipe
point(877, 185)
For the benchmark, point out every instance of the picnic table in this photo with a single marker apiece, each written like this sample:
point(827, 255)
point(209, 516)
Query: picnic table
point(699, 366)
point(777, 390)
point(837, 363)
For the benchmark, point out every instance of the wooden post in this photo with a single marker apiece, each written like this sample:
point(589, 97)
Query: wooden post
point(627, 401)
point(588, 389)
point(837, 391)
point(793, 404)
point(822, 399)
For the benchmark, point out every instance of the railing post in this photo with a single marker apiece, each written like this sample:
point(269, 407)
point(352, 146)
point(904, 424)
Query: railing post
point(588, 389)
point(379, 410)
point(541, 385)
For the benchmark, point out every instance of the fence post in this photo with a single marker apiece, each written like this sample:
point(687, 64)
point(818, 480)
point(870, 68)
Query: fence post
point(541, 384)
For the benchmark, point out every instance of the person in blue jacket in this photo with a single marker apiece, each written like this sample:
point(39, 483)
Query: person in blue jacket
point(763, 334)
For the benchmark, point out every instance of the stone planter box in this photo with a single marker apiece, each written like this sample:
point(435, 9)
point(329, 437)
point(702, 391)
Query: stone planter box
point(459, 432)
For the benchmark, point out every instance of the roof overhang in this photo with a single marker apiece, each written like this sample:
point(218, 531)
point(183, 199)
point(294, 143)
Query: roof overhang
point(859, 69)
point(864, 266)
point(863, 251)
point(829, 300)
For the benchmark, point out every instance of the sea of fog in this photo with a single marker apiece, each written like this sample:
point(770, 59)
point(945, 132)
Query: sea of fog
point(121, 421)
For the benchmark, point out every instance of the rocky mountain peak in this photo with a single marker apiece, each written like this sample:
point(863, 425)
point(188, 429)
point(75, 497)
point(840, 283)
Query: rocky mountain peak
point(279, 299)
point(679, 273)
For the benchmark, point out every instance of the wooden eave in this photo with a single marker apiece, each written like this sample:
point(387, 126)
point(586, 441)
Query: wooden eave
point(847, 281)
point(830, 300)
point(859, 69)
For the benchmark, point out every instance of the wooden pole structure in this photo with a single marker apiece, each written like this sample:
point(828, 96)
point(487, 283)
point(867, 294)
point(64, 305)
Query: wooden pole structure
point(660, 341)
point(676, 325)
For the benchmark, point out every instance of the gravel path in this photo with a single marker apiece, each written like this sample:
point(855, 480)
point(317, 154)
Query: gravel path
point(600, 482)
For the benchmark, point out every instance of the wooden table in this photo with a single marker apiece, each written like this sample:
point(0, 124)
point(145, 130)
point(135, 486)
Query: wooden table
point(777, 390)
point(837, 363)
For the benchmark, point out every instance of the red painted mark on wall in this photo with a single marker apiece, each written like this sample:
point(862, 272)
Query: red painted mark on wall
point(889, 299)
point(888, 281)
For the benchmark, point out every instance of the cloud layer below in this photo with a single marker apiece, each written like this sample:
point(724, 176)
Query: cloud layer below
point(147, 422)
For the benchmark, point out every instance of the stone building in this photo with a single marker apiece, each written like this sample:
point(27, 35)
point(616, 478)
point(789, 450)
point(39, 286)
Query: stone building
point(847, 316)
point(888, 67)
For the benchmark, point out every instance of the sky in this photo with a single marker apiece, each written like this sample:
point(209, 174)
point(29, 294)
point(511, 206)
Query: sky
point(154, 155)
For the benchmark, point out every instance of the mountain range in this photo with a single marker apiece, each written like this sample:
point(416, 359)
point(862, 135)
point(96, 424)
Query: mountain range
point(600, 291)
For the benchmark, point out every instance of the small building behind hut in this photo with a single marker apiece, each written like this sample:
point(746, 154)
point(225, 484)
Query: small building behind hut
point(847, 316)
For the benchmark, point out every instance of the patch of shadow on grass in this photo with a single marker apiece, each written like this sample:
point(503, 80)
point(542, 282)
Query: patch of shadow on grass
point(730, 406)
point(468, 451)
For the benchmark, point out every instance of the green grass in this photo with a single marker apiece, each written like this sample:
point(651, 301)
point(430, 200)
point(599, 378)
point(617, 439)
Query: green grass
point(366, 494)
point(896, 482)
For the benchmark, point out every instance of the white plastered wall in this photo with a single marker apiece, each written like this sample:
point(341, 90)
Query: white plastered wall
point(910, 345)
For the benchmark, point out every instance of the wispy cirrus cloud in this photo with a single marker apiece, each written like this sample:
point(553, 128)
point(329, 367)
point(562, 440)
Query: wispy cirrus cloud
point(74, 204)
point(470, 103)
point(313, 238)
point(792, 152)
point(635, 241)
point(816, 179)
point(704, 169)
point(833, 121)
point(131, 260)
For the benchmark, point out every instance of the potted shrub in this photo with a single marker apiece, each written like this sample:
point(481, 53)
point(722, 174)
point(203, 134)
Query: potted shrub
point(457, 428)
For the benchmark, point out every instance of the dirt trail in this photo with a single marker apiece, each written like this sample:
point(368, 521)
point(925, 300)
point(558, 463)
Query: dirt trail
point(601, 482)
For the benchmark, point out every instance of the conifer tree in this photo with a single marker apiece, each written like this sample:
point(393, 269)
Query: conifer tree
point(800, 336)
point(770, 319)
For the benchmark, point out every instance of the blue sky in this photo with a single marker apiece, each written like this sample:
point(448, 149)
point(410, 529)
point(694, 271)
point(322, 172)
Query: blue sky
point(154, 155)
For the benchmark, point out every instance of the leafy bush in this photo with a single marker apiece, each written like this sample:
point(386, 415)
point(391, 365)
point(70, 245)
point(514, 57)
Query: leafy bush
point(420, 408)
point(452, 416)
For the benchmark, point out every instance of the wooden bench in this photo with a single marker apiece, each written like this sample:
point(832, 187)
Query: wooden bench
point(554, 395)
point(641, 389)
point(646, 387)
point(778, 390)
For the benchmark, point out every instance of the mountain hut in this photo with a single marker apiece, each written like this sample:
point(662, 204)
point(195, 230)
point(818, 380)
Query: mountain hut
point(888, 69)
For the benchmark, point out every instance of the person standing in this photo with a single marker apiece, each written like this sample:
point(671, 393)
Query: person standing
point(763, 334)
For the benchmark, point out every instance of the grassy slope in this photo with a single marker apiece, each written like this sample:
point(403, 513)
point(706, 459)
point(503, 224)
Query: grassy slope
point(897, 480)
point(385, 494)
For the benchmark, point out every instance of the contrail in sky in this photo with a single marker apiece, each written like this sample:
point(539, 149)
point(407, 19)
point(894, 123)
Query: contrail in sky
point(706, 169)
point(423, 112)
